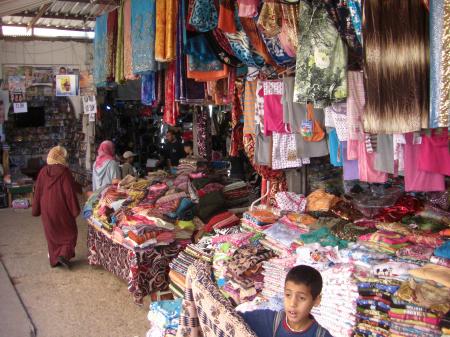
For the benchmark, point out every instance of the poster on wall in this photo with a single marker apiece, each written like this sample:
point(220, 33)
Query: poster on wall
point(92, 117)
point(89, 104)
point(87, 87)
point(67, 85)
point(20, 107)
point(16, 87)
point(42, 76)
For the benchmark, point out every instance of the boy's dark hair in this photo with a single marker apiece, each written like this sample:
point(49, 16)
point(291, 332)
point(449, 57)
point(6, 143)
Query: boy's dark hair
point(308, 276)
point(189, 143)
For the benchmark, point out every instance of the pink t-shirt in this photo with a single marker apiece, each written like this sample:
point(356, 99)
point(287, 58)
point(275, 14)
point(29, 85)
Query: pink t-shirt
point(434, 155)
point(273, 107)
point(366, 166)
point(415, 179)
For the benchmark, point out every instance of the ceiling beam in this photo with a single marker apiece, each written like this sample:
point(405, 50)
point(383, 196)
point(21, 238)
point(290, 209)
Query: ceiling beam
point(96, 2)
point(56, 16)
point(39, 14)
point(51, 27)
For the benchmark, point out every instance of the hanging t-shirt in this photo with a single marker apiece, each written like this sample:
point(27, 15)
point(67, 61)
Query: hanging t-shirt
point(335, 148)
point(273, 107)
point(415, 179)
point(350, 166)
point(366, 165)
point(434, 155)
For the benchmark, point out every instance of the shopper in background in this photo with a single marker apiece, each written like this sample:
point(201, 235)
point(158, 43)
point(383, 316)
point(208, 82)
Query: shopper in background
point(173, 150)
point(127, 167)
point(106, 169)
point(55, 200)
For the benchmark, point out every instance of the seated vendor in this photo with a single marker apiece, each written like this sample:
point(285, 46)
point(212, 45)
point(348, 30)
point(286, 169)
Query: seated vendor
point(127, 167)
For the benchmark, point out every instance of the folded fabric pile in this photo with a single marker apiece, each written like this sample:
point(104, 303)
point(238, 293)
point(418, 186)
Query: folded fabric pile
point(236, 194)
point(238, 270)
point(421, 302)
point(281, 237)
point(187, 166)
point(384, 241)
point(164, 317)
point(258, 220)
point(337, 309)
point(351, 231)
point(275, 271)
point(222, 220)
point(323, 236)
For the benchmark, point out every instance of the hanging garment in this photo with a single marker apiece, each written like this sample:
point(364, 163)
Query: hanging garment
point(166, 21)
point(226, 21)
point(112, 45)
point(355, 13)
point(273, 108)
point(119, 75)
point(350, 171)
point(440, 64)
point(202, 15)
point(336, 117)
point(259, 106)
point(297, 181)
point(148, 94)
point(397, 100)
point(248, 8)
point(243, 50)
point(171, 111)
point(384, 156)
point(249, 107)
point(143, 35)
point(100, 50)
point(284, 151)
point(340, 14)
point(276, 51)
point(294, 114)
point(251, 30)
point(415, 179)
point(127, 43)
point(204, 303)
point(355, 104)
point(276, 178)
point(334, 145)
point(434, 155)
point(203, 133)
point(289, 29)
point(263, 148)
point(366, 165)
point(222, 48)
point(321, 59)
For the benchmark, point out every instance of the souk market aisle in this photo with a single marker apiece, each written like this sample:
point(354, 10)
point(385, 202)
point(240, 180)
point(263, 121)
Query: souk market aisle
point(83, 302)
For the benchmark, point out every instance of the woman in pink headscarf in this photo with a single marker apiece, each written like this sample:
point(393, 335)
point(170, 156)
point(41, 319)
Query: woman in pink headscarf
point(106, 169)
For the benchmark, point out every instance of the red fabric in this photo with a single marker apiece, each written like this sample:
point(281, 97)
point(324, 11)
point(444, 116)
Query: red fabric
point(233, 220)
point(56, 202)
point(105, 153)
point(406, 205)
point(171, 108)
point(112, 43)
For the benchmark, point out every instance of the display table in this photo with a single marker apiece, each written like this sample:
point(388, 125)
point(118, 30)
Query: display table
point(145, 271)
point(25, 190)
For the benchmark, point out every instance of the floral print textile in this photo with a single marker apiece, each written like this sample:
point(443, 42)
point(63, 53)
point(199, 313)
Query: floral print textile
point(321, 59)
point(143, 35)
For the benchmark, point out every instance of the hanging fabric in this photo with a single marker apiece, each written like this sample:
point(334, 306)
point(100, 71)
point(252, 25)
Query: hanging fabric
point(248, 8)
point(251, 30)
point(171, 107)
point(284, 151)
point(203, 132)
point(397, 92)
point(148, 88)
point(440, 64)
point(321, 67)
point(112, 45)
point(202, 15)
point(165, 36)
point(355, 13)
point(249, 107)
point(127, 43)
point(100, 50)
point(273, 108)
point(143, 35)
point(119, 70)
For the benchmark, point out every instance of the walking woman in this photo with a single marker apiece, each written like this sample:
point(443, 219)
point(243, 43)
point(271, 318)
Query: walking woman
point(55, 200)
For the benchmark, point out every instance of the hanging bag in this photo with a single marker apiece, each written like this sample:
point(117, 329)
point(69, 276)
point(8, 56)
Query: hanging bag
point(311, 129)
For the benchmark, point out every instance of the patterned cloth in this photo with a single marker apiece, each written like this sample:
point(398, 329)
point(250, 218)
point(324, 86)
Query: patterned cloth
point(143, 35)
point(249, 107)
point(145, 271)
point(166, 21)
point(321, 59)
point(127, 43)
point(205, 311)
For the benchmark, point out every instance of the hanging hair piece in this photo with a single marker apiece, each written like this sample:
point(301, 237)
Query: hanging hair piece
point(396, 66)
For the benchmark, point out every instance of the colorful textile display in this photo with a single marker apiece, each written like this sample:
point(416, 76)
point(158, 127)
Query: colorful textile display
point(143, 36)
point(101, 50)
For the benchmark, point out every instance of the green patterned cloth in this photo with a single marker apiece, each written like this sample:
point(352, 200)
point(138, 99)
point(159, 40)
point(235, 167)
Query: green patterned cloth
point(321, 58)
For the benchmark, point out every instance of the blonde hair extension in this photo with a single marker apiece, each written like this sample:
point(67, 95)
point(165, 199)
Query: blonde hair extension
point(396, 66)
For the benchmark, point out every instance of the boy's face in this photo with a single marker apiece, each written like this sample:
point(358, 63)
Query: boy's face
point(298, 302)
point(187, 149)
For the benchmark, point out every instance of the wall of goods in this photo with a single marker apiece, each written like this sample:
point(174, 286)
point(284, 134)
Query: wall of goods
point(304, 80)
point(38, 116)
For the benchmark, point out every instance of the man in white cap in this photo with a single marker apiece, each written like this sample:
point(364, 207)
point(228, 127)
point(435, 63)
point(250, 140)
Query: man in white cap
point(127, 167)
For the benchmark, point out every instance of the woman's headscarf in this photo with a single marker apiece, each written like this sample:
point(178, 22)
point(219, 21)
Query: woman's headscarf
point(57, 155)
point(105, 153)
